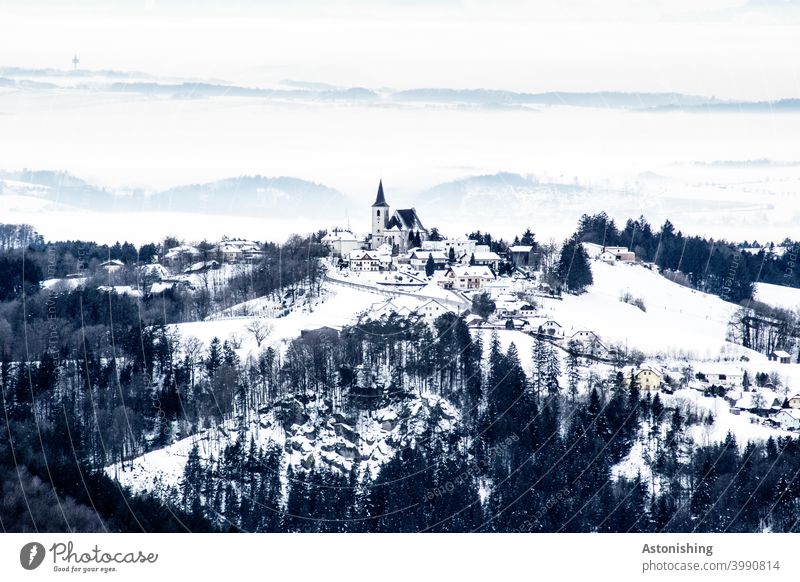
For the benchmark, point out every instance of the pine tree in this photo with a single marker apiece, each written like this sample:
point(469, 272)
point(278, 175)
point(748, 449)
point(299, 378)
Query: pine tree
point(573, 268)
point(451, 256)
point(430, 266)
point(573, 368)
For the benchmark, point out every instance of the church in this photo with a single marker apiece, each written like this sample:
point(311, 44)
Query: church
point(401, 229)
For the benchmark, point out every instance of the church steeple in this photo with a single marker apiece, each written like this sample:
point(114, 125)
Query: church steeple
point(380, 200)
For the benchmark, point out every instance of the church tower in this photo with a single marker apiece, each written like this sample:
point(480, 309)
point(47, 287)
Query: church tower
point(380, 216)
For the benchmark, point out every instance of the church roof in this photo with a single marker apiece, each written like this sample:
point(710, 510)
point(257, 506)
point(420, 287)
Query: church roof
point(407, 219)
point(380, 200)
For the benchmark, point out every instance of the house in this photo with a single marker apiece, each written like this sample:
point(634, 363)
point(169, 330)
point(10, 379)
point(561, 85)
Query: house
point(589, 341)
point(780, 356)
point(761, 401)
point(787, 418)
point(341, 242)
point(522, 256)
point(432, 309)
point(419, 258)
point(462, 247)
point(483, 257)
point(387, 308)
point(794, 401)
point(718, 374)
point(497, 287)
point(465, 278)
point(234, 250)
point(364, 261)
point(507, 305)
point(547, 328)
point(617, 254)
point(401, 228)
point(182, 255)
point(648, 376)
point(474, 321)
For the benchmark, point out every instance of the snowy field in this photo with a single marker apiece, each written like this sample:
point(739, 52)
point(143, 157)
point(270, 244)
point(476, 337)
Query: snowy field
point(778, 296)
point(678, 320)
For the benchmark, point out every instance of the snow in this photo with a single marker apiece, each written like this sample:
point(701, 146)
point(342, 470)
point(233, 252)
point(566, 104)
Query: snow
point(339, 307)
point(778, 296)
point(678, 319)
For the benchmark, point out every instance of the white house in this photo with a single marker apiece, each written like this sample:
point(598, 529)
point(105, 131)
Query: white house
point(794, 401)
point(341, 242)
point(364, 261)
point(235, 250)
point(617, 254)
point(548, 328)
point(418, 258)
point(462, 247)
point(720, 374)
point(787, 418)
point(483, 257)
point(466, 278)
point(432, 309)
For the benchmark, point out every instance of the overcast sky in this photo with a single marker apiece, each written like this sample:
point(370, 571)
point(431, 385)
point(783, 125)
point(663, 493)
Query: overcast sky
point(732, 49)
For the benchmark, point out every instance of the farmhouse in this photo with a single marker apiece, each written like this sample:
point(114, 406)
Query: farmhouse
point(787, 418)
point(719, 374)
point(794, 401)
point(465, 278)
point(648, 377)
point(547, 328)
point(617, 255)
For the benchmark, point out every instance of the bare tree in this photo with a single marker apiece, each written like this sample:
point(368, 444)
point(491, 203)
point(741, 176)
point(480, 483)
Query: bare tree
point(260, 330)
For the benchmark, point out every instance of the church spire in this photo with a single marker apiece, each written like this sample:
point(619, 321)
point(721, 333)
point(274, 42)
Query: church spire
point(380, 200)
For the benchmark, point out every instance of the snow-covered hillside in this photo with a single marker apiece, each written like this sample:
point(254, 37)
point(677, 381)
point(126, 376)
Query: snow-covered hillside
point(778, 296)
point(678, 320)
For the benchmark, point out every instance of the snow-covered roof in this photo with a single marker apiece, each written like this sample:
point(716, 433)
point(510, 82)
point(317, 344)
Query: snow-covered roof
point(112, 263)
point(359, 255)
point(486, 256)
point(782, 354)
point(521, 249)
point(746, 402)
point(793, 412)
point(339, 235)
point(474, 271)
point(424, 254)
point(188, 249)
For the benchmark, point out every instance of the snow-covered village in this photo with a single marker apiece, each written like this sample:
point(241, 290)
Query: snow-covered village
point(237, 381)
point(399, 267)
